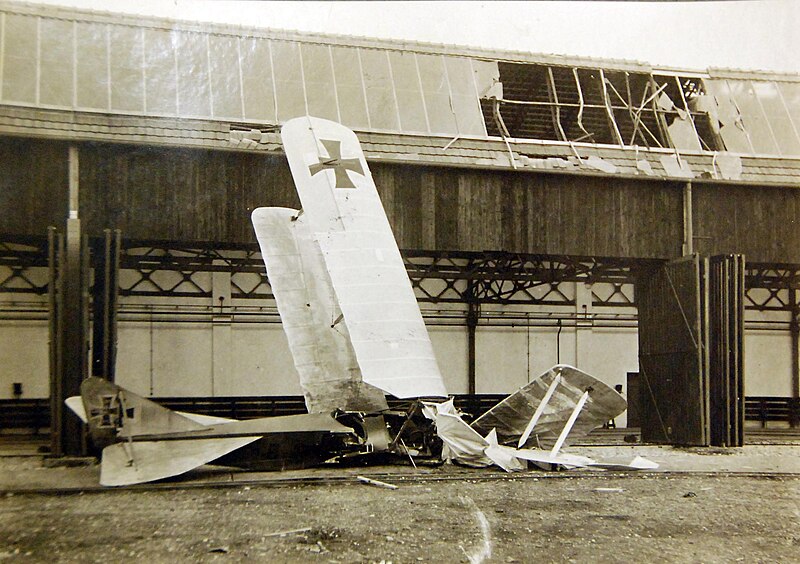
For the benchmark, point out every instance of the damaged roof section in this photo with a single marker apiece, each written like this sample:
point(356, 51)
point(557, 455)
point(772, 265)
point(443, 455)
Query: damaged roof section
point(393, 148)
point(236, 84)
point(643, 109)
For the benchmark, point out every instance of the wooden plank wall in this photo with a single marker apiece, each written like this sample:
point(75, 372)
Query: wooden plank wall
point(763, 223)
point(441, 208)
point(201, 195)
point(180, 194)
point(33, 186)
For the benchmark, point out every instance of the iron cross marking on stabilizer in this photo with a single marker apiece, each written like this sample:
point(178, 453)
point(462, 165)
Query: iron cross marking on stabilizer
point(336, 163)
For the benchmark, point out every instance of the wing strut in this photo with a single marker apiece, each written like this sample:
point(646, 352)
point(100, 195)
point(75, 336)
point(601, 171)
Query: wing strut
point(570, 422)
point(539, 410)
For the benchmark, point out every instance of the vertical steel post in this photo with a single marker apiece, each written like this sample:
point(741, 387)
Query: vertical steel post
point(472, 326)
point(794, 329)
point(688, 230)
point(73, 320)
point(55, 254)
point(104, 304)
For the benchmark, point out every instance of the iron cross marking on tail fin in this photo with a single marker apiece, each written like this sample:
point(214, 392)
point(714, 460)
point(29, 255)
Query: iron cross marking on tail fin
point(339, 165)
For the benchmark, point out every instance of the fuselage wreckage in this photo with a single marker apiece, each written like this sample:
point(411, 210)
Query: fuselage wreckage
point(356, 333)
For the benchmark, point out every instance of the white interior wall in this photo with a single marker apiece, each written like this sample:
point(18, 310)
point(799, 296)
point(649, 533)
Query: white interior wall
point(767, 363)
point(609, 354)
point(507, 358)
point(134, 366)
point(24, 358)
point(178, 359)
point(450, 347)
point(261, 363)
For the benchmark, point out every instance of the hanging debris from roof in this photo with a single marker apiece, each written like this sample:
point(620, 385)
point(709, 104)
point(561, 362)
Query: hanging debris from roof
point(676, 166)
point(732, 130)
point(598, 163)
point(730, 166)
point(705, 103)
point(645, 167)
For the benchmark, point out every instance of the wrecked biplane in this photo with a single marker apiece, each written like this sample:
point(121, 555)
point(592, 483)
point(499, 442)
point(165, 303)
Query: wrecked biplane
point(356, 333)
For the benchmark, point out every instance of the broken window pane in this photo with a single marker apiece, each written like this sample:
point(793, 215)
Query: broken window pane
point(564, 89)
point(257, 85)
point(683, 135)
point(92, 66)
point(349, 88)
point(55, 44)
point(436, 91)
point(409, 95)
point(19, 58)
point(288, 80)
point(193, 81)
point(731, 128)
point(753, 118)
point(594, 116)
point(778, 118)
point(127, 63)
point(631, 96)
point(380, 90)
point(318, 75)
point(226, 88)
point(674, 114)
point(159, 61)
point(535, 116)
point(464, 98)
point(487, 74)
point(702, 110)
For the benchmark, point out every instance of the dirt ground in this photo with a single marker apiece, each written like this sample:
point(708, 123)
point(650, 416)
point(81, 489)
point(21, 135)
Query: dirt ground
point(521, 518)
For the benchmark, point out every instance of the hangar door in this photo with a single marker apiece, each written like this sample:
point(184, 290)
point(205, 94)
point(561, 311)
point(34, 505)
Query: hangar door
point(691, 327)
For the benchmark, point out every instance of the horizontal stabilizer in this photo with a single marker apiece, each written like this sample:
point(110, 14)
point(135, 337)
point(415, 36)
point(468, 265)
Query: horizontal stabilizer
point(136, 462)
point(144, 458)
point(205, 419)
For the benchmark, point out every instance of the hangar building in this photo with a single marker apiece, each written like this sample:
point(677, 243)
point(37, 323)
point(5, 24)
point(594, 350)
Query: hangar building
point(529, 193)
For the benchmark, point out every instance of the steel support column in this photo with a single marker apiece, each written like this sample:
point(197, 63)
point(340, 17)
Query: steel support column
point(688, 228)
point(794, 329)
point(472, 326)
point(55, 297)
point(473, 314)
point(72, 326)
point(104, 304)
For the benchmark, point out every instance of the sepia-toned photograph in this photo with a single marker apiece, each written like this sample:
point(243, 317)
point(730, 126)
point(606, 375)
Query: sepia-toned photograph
point(403, 281)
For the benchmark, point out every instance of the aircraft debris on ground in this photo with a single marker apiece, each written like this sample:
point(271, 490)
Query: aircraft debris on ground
point(356, 333)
